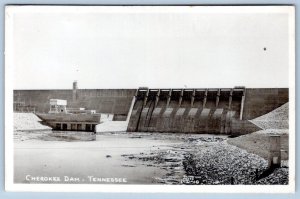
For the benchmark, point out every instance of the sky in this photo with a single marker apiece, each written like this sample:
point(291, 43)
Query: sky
point(157, 47)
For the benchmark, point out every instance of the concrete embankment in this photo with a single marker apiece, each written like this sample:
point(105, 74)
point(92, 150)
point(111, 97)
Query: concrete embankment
point(28, 122)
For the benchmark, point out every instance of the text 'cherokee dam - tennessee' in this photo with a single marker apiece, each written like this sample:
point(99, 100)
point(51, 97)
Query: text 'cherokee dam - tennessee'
point(182, 110)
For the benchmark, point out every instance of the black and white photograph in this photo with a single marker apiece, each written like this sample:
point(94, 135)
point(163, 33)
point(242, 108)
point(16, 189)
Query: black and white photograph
point(108, 98)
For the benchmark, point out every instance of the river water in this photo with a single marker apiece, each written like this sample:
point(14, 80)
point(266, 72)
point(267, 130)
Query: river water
point(111, 158)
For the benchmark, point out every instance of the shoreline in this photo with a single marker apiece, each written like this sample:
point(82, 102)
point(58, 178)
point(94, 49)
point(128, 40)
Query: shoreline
point(208, 158)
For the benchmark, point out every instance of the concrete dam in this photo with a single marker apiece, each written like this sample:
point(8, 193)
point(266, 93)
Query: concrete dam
point(113, 101)
point(224, 111)
point(220, 110)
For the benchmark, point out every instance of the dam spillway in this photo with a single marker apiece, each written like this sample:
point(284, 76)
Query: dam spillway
point(221, 110)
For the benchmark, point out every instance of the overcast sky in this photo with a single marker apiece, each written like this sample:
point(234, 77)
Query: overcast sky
point(156, 47)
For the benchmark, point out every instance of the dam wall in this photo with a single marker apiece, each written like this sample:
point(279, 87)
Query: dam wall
point(114, 101)
point(220, 110)
point(263, 100)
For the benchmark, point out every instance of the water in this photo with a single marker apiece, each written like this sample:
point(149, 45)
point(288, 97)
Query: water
point(38, 160)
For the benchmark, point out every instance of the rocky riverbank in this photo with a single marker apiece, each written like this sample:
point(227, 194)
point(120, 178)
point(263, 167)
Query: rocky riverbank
point(226, 164)
point(209, 160)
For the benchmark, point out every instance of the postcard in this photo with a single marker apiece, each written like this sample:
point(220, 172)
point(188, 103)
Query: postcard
point(150, 99)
